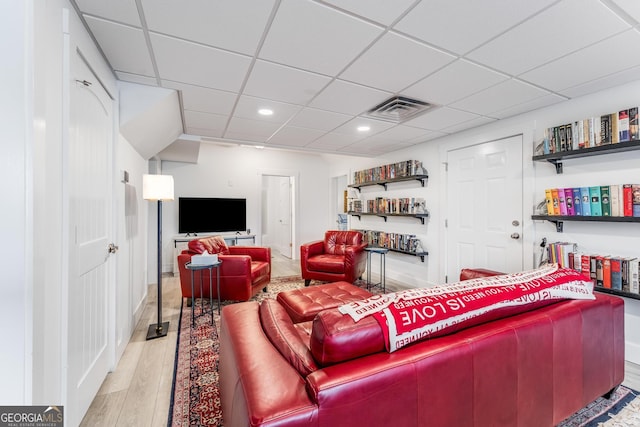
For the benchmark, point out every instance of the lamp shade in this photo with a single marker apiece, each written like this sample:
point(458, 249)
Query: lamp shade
point(157, 187)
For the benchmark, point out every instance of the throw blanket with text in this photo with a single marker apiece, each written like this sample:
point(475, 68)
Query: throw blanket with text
point(415, 314)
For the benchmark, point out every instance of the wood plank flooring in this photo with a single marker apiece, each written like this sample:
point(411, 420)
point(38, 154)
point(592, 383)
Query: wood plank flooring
point(137, 393)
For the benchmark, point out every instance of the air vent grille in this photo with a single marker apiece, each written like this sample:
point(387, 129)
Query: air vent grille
point(399, 109)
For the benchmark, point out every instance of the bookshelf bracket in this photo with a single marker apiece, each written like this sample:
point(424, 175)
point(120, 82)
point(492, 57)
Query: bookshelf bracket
point(422, 180)
point(559, 226)
point(382, 184)
point(558, 164)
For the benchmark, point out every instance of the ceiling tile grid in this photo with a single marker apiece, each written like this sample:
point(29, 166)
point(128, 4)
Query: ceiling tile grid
point(321, 65)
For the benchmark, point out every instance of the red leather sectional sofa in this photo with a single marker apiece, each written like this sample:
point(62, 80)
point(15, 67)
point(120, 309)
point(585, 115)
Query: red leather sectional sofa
point(531, 369)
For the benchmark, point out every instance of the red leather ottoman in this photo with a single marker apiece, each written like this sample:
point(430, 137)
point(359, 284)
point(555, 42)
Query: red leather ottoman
point(303, 304)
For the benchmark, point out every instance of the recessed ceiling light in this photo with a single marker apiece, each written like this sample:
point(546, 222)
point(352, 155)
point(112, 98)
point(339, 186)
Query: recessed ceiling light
point(363, 128)
point(265, 112)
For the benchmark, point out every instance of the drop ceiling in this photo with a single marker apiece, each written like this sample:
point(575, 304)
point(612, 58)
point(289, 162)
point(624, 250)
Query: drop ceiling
point(320, 66)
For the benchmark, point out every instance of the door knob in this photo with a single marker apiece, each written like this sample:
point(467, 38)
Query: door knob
point(515, 235)
point(112, 248)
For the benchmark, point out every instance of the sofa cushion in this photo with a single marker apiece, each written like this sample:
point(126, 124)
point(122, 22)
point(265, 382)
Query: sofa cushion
point(259, 269)
point(284, 336)
point(336, 242)
point(213, 245)
point(336, 338)
point(326, 263)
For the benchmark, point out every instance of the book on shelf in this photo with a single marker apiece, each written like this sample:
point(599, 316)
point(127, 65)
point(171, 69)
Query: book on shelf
point(627, 200)
point(624, 275)
point(586, 201)
point(606, 272)
point(605, 129)
point(633, 276)
point(548, 197)
point(562, 204)
point(593, 267)
point(568, 200)
point(599, 271)
point(596, 206)
point(556, 201)
point(615, 135)
point(585, 266)
point(577, 201)
point(623, 125)
point(605, 196)
point(615, 191)
point(634, 130)
point(616, 273)
point(635, 197)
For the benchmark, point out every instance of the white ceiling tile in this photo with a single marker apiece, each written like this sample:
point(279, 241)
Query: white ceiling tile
point(295, 136)
point(325, 40)
point(351, 127)
point(283, 83)
point(534, 104)
point(394, 63)
point(199, 65)
point(250, 130)
point(348, 98)
point(499, 97)
point(198, 119)
point(124, 11)
point(477, 121)
point(135, 78)
point(402, 133)
point(462, 25)
point(236, 26)
point(440, 118)
point(580, 67)
point(135, 58)
point(616, 79)
point(248, 107)
point(197, 98)
point(631, 7)
point(333, 140)
point(382, 11)
point(453, 82)
point(313, 118)
point(544, 37)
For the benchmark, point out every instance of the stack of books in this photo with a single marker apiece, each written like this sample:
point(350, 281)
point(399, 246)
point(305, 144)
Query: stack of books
point(603, 200)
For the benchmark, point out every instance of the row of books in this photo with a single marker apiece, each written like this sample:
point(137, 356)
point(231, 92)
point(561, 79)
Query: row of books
point(606, 271)
point(601, 200)
point(592, 132)
point(397, 241)
point(394, 170)
point(403, 205)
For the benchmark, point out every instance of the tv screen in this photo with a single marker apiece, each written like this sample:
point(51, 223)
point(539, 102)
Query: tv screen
point(207, 214)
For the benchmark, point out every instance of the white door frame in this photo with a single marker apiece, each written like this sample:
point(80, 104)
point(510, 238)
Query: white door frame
point(474, 137)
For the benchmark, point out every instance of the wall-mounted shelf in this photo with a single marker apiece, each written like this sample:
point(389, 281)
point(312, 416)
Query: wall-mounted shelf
point(558, 220)
point(556, 158)
point(418, 254)
point(420, 216)
point(616, 292)
point(383, 183)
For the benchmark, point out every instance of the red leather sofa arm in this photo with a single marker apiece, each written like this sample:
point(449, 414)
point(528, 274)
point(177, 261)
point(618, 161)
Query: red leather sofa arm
point(311, 249)
point(257, 253)
point(474, 273)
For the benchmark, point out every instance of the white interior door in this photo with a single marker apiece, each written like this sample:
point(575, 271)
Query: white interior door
point(284, 216)
point(484, 207)
point(90, 210)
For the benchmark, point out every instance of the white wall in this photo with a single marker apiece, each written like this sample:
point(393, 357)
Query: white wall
point(16, 289)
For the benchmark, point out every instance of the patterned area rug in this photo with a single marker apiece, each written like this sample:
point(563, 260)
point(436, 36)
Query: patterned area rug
point(196, 398)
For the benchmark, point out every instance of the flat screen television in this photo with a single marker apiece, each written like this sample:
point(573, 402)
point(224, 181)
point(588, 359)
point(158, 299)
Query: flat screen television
point(208, 214)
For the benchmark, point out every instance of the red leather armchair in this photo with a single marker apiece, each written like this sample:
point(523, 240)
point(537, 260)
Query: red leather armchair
point(339, 257)
point(243, 272)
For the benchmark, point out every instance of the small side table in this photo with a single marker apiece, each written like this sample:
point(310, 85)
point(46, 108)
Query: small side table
point(200, 267)
point(383, 253)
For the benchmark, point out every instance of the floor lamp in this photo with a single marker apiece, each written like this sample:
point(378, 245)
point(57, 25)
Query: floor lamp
point(159, 188)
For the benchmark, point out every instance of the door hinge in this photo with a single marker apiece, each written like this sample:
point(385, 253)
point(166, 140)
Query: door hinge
point(446, 223)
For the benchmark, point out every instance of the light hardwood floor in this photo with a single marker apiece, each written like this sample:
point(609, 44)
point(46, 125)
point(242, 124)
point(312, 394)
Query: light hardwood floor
point(138, 392)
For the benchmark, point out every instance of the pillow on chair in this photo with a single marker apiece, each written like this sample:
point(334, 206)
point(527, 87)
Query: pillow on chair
point(213, 245)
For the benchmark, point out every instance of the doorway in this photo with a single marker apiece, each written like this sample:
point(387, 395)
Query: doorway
point(278, 216)
point(484, 207)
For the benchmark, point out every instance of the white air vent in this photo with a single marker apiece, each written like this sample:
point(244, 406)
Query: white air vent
point(398, 109)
